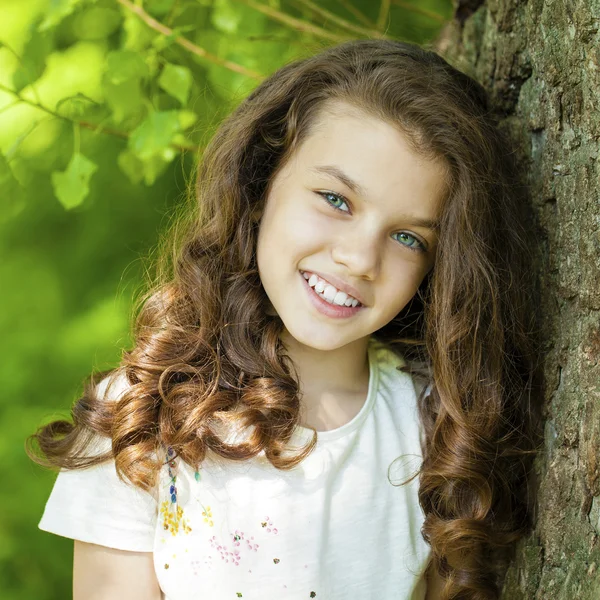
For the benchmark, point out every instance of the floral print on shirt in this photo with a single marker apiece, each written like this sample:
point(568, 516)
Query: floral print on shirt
point(172, 514)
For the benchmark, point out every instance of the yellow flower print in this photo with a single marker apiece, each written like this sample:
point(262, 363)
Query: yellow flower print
point(173, 520)
point(207, 514)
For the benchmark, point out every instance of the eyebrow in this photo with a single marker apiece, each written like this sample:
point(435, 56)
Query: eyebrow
point(337, 173)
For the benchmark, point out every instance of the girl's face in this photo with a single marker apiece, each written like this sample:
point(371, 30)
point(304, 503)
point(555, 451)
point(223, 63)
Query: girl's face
point(356, 206)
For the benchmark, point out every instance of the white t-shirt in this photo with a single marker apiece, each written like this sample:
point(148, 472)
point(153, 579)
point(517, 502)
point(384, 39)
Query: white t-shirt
point(332, 528)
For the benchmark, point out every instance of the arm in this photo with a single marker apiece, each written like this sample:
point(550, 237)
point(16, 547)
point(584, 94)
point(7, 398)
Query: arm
point(435, 583)
point(102, 573)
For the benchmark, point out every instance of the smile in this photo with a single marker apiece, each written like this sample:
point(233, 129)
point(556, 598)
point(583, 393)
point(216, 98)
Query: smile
point(326, 307)
point(329, 292)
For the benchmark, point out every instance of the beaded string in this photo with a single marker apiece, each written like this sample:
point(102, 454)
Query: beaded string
point(172, 513)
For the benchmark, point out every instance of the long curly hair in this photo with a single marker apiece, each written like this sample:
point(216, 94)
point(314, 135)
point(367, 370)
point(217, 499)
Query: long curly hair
point(207, 353)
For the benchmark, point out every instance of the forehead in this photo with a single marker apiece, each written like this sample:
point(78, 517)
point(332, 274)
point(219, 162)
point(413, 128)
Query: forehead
point(373, 153)
point(338, 124)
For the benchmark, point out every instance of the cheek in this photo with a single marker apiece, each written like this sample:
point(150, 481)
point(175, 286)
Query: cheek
point(293, 230)
point(402, 283)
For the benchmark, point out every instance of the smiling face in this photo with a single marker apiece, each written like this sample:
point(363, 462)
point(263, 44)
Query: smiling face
point(353, 205)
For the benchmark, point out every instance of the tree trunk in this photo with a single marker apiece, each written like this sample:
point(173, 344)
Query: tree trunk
point(539, 59)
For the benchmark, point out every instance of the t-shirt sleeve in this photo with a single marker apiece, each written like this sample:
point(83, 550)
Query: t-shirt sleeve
point(93, 505)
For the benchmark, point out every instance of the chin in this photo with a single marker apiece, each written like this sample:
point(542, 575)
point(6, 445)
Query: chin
point(322, 340)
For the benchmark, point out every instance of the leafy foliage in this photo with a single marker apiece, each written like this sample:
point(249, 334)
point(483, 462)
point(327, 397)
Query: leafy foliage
point(104, 107)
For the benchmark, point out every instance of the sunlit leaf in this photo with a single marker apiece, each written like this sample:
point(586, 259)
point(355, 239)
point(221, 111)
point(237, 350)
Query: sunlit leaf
point(125, 99)
point(234, 17)
point(225, 16)
point(138, 36)
point(124, 65)
point(158, 8)
point(137, 170)
point(96, 23)
point(57, 10)
point(11, 193)
point(12, 150)
point(72, 185)
point(187, 118)
point(33, 59)
point(176, 81)
point(154, 134)
point(131, 165)
point(75, 106)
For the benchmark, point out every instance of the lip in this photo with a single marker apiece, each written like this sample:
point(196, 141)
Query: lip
point(326, 308)
point(339, 284)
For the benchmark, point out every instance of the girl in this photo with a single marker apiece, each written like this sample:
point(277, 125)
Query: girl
point(328, 392)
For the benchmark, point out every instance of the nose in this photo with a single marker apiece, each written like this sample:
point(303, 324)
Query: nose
point(359, 251)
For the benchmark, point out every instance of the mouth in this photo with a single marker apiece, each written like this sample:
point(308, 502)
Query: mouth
point(327, 307)
point(328, 292)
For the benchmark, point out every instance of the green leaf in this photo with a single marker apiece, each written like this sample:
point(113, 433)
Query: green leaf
point(124, 99)
point(121, 83)
point(72, 185)
point(125, 65)
point(228, 84)
point(11, 192)
point(187, 118)
point(158, 8)
point(96, 23)
point(232, 17)
point(160, 42)
point(137, 35)
point(33, 59)
point(154, 134)
point(131, 165)
point(225, 17)
point(148, 170)
point(75, 106)
point(176, 81)
point(57, 10)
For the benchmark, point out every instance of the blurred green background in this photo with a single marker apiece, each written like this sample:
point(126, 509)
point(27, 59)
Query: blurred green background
point(104, 108)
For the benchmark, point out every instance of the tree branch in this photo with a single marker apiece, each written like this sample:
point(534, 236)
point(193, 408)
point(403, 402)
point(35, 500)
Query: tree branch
point(360, 16)
point(423, 11)
point(384, 13)
point(340, 21)
point(185, 43)
point(87, 124)
point(297, 24)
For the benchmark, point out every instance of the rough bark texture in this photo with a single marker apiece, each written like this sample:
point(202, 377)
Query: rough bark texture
point(540, 60)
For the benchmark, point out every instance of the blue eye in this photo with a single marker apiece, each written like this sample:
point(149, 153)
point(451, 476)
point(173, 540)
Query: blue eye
point(337, 197)
point(419, 246)
point(414, 244)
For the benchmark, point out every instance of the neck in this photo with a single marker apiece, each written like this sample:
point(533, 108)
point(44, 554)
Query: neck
point(344, 369)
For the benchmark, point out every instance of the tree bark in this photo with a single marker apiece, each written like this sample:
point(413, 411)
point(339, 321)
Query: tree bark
point(539, 59)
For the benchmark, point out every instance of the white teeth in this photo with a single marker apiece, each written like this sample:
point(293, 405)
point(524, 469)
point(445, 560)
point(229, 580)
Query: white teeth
point(340, 298)
point(329, 292)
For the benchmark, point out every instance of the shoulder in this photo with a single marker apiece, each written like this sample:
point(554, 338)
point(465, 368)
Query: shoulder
point(395, 366)
point(418, 372)
point(112, 386)
point(95, 408)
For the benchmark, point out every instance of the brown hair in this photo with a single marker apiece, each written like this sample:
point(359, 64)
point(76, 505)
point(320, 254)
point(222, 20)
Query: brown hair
point(207, 353)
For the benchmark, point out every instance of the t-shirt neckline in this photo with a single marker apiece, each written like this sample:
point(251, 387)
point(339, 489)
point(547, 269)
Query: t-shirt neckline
point(362, 414)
